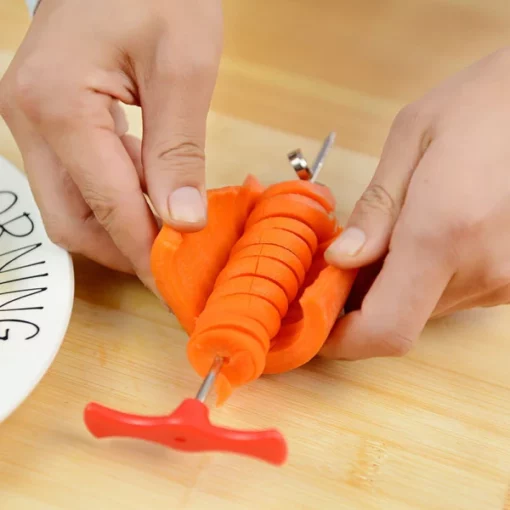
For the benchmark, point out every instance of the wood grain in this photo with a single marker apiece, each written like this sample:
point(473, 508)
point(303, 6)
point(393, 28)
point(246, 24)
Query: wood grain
point(428, 431)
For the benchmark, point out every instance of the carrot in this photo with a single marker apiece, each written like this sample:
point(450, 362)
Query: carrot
point(295, 206)
point(260, 294)
point(321, 303)
point(320, 194)
point(176, 257)
point(248, 285)
point(244, 357)
point(277, 237)
point(218, 318)
point(274, 252)
point(262, 267)
point(254, 307)
point(290, 225)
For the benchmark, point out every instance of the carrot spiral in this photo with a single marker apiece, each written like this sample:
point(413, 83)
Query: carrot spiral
point(265, 271)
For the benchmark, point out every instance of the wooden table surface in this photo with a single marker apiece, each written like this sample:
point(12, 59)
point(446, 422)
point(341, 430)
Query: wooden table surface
point(428, 431)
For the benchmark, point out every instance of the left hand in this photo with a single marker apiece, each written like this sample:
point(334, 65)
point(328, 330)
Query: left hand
point(437, 210)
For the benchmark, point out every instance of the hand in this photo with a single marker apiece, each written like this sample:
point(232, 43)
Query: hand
point(437, 211)
point(61, 99)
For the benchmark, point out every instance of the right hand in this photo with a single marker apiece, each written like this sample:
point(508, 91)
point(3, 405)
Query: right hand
point(60, 99)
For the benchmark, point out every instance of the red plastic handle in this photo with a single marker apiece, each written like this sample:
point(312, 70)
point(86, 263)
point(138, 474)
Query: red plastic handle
point(187, 429)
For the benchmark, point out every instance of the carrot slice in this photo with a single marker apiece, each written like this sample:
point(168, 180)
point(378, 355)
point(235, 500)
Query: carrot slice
point(273, 252)
point(298, 207)
point(253, 307)
point(250, 285)
point(218, 318)
point(253, 286)
point(295, 312)
point(176, 257)
point(290, 225)
point(277, 237)
point(262, 267)
point(321, 303)
point(308, 189)
point(244, 357)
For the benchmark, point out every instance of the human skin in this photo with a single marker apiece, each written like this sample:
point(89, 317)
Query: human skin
point(434, 221)
point(60, 98)
point(431, 233)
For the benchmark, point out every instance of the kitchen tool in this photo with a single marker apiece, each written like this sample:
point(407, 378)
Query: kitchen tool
point(188, 427)
point(300, 165)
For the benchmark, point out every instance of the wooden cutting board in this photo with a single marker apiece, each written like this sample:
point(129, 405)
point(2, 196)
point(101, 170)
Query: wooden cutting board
point(428, 431)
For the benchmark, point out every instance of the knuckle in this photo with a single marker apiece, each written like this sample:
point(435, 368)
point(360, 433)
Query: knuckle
point(408, 117)
point(456, 236)
point(464, 227)
point(495, 279)
point(26, 89)
point(377, 198)
point(184, 150)
point(178, 158)
point(34, 91)
point(104, 209)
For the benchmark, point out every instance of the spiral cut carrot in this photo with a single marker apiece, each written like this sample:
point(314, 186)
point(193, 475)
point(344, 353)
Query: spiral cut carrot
point(253, 286)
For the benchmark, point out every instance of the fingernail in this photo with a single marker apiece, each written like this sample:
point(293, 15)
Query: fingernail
point(349, 243)
point(186, 205)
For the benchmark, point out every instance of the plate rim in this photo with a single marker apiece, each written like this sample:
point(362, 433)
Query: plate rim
point(38, 375)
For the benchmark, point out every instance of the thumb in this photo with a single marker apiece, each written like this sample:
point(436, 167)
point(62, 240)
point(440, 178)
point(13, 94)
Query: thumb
point(367, 233)
point(175, 104)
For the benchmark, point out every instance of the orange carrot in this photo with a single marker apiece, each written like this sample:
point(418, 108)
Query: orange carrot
point(248, 285)
point(244, 357)
point(274, 252)
point(277, 237)
point(320, 194)
point(262, 267)
point(260, 294)
point(295, 206)
point(289, 224)
point(254, 307)
point(185, 266)
point(321, 304)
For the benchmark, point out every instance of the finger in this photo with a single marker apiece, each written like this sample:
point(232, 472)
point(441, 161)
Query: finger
point(119, 118)
point(107, 179)
point(486, 299)
point(397, 306)
point(368, 230)
point(133, 146)
point(175, 101)
point(67, 218)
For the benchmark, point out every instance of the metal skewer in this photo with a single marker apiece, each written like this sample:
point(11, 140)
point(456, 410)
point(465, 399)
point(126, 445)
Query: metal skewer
point(321, 156)
point(300, 165)
point(208, 382)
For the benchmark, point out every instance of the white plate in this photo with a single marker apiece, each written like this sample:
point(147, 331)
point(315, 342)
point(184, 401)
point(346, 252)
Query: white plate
point(36, 292)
